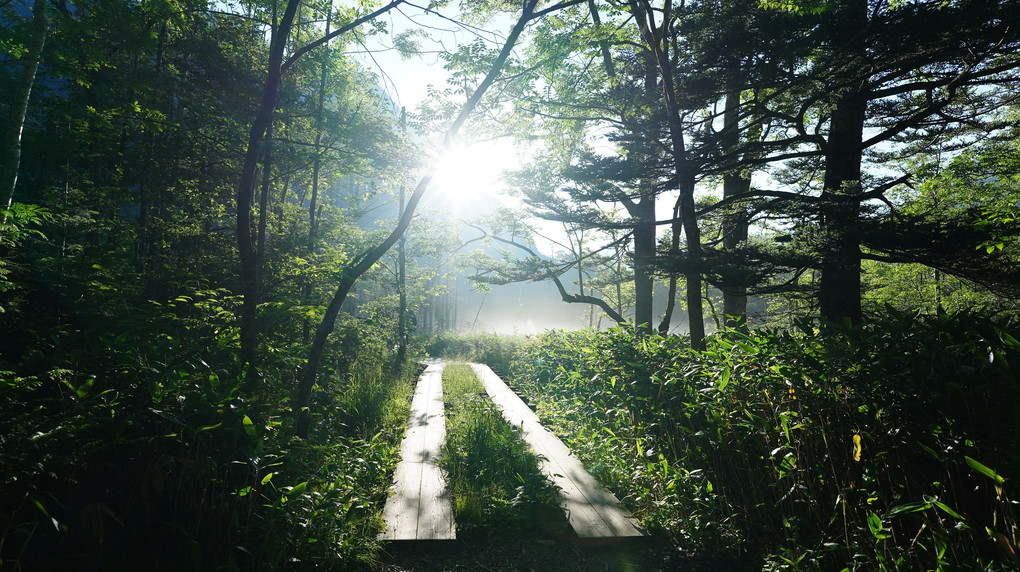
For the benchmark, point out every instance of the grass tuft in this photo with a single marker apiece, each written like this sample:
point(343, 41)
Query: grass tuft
point(496, 482)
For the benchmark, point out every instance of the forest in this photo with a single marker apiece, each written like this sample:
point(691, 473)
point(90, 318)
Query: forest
point(787, 233)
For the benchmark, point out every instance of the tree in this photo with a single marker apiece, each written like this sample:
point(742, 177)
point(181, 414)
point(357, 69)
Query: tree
point(263, 119)
point(885, 74)
point(19, 107)
point(367, 259)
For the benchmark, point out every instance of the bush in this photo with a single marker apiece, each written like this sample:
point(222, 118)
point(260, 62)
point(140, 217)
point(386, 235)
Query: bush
point(890, 445)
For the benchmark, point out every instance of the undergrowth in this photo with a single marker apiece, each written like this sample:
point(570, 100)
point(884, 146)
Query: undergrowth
point(156, 454)
point(496, 483)
point(888, 446)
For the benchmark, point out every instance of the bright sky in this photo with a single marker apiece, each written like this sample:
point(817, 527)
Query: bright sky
point(471, 167)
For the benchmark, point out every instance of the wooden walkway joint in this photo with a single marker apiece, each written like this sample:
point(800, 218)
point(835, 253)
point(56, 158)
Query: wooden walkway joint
point(420, 507)
point(591, 509)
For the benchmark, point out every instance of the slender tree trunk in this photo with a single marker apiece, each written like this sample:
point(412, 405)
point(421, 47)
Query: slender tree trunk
point(264, 200)
point(674, 250)
point(657, 41)
point(735, 220)
point(313, 220)
point(839, 294)
point(19, 107)
point(246, 192)
point(607, 56)
point(313, 208)
point(361, 265)
point(246, 186)
point(402, 283)
point(644, 259)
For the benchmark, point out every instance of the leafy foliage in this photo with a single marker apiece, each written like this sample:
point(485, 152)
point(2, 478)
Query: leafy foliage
point(154, 455)
point(887, 446)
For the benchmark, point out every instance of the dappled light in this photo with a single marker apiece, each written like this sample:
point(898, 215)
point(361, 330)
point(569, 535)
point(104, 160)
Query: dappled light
point(738, 282)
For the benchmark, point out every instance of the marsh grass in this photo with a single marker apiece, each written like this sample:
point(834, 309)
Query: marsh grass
point(495, 480)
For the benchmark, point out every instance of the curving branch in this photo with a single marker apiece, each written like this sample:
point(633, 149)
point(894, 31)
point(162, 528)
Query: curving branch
point(551, 274)
point(367, 259)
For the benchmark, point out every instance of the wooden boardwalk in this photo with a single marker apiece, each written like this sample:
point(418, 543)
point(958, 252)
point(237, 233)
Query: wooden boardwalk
point(592, 511)
point(420, 507)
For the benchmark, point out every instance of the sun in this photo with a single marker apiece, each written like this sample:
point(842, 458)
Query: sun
point(470, 175)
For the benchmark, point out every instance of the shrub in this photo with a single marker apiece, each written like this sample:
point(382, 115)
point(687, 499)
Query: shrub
point(890, 445)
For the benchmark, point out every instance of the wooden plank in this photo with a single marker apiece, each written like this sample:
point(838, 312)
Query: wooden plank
point(435, 511)
point(591, 509)
point(420, 507)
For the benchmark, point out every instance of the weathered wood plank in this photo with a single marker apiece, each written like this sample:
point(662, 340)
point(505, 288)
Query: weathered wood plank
point(592, 511)
point(420, 507)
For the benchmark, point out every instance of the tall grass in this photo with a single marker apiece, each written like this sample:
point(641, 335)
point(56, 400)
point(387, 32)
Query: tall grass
point(496, 483)
point(888, 446)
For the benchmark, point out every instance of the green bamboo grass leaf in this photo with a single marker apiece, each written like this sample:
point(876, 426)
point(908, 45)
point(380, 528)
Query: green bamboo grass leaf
point(945, 508)
point(875, 525)
point(984, 470)
point(249, 428)
point(907, 508)
point(724, 379)
point(85, 388)
point(42, 509)
point(297, 489)
point(1009, 340)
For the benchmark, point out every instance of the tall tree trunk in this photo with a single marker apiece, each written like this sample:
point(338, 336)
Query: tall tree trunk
point(19, 107)
point(246, 192)
point(734, 183)
point(657, 40)
point(643, 213)
point(364, 262)
point(246, 186)
point(839, 294)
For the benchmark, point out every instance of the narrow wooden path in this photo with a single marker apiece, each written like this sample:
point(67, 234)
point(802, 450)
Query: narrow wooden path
point(420, 507)
point(592, 511)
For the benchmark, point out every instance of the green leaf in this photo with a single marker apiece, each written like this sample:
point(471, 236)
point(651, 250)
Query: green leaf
point(875, 525)
point(42, 509)
point(948, 510)
point(984, 470)
point(724, 379)
point(907, 508)
point(84, 388)
point(297, 489)
point(266, 478)
point(249, 428)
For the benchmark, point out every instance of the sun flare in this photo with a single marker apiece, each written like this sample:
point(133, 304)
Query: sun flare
point(471, 174)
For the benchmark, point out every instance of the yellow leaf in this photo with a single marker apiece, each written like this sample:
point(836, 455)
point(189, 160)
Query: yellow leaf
point(857, 447)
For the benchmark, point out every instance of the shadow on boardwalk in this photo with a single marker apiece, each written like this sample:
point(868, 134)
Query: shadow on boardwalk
point(540, 555)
